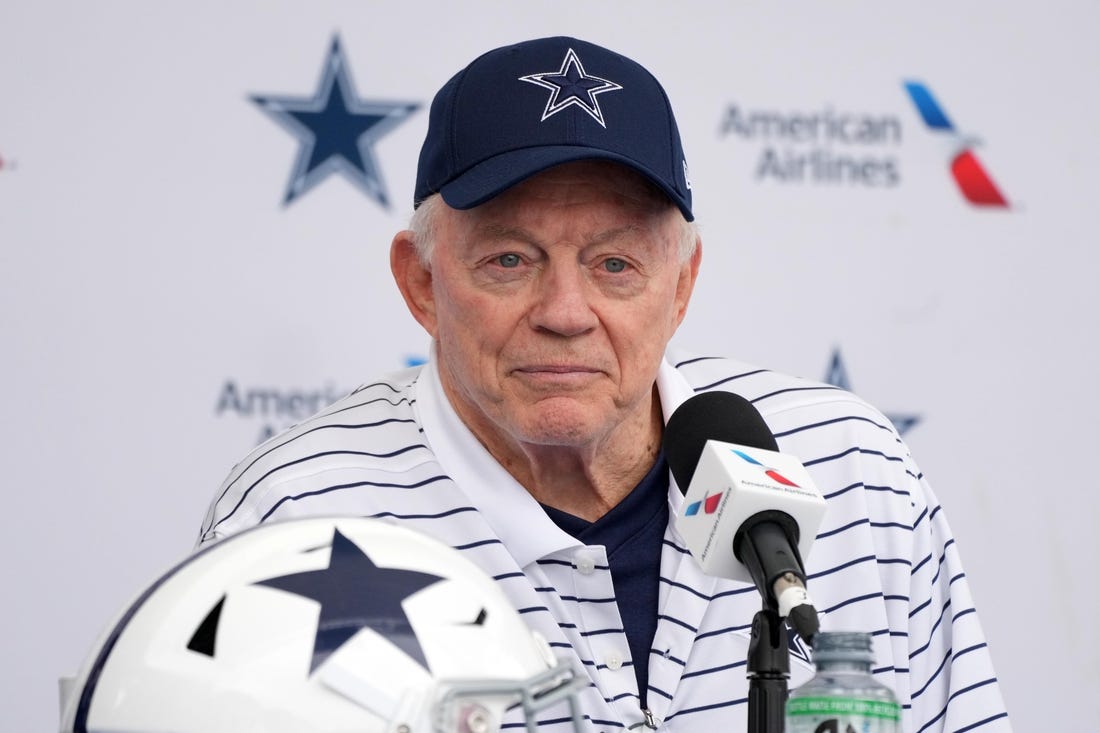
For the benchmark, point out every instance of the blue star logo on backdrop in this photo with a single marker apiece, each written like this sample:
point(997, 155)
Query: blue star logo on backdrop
point(336, 131)
point(354, 594)
point(571, 85)
point(838, 377)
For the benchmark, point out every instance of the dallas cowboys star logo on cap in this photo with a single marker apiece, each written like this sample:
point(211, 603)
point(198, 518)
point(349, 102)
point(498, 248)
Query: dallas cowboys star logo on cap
point(336, 130)
point(571, 85)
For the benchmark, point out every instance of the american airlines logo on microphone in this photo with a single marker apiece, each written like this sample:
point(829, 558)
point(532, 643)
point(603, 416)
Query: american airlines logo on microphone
point(709, 505)
point(769, 472)
point(733, 482)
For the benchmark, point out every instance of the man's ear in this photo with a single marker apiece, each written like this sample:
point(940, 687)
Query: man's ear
point(689, 271)
point(414, 280)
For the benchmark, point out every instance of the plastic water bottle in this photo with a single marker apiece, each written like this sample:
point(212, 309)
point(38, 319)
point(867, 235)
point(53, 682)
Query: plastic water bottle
point(843, 697)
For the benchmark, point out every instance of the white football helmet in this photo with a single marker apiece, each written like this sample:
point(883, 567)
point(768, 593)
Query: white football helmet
point(326, 625)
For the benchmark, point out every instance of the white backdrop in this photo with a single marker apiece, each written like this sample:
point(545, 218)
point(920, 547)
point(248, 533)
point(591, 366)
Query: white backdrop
point(161, 309)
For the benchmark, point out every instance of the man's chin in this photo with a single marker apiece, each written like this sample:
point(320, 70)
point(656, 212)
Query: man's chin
point(563, 421)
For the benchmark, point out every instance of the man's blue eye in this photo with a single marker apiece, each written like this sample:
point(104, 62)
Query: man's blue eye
point(509, 260)
point(614, 264)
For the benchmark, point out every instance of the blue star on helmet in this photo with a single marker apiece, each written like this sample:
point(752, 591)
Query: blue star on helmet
point(354, 594)
point(336, 131)
point(571, 85)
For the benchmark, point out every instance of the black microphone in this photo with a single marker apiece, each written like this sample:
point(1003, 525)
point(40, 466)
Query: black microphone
point(740, 492)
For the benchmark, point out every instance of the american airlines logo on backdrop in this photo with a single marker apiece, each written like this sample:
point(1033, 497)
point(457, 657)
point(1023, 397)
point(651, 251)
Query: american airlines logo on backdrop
point(271, 410)
point(819, 146)
point(970, 175)
point(856, 148)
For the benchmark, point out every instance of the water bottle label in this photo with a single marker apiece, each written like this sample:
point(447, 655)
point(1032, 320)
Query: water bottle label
point(842, 715)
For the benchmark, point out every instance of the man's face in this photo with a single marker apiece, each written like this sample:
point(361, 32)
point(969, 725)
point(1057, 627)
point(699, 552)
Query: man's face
point(552, 304)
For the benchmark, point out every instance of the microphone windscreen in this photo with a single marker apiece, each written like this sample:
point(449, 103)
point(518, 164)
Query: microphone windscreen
point(722, 416)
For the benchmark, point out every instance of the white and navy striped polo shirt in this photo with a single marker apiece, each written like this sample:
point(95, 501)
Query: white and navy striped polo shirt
point(884, 560)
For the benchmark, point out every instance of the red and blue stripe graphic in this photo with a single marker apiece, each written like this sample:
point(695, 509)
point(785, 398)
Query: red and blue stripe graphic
point(710, 502)
point(968, 172)
point(770, 472)
point(709, 505)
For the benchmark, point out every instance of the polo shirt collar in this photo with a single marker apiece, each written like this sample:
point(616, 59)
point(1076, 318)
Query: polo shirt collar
point(512, 513)
point(673, 391)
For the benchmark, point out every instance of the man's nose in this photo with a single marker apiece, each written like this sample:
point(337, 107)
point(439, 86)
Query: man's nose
point(563, 303)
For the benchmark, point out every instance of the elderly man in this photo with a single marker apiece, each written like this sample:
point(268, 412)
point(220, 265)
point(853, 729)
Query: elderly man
point(551, 258)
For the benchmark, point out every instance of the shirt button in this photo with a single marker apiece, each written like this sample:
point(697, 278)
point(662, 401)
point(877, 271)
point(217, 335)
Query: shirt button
point(585, 564)
point(614, 661)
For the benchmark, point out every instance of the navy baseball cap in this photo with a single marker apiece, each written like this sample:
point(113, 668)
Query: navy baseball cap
point(518, 110)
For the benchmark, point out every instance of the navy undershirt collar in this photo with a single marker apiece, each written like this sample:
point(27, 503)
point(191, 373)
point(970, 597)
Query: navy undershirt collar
point(625, 518)
point(632, 534)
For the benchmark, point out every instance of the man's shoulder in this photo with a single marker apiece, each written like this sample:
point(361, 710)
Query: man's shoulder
point(388, 399)
point(762, 386)
point(790, 404)
point(368, 437)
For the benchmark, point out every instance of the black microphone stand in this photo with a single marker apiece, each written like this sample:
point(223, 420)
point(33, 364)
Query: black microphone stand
point(768, 669)
point(767, 544)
